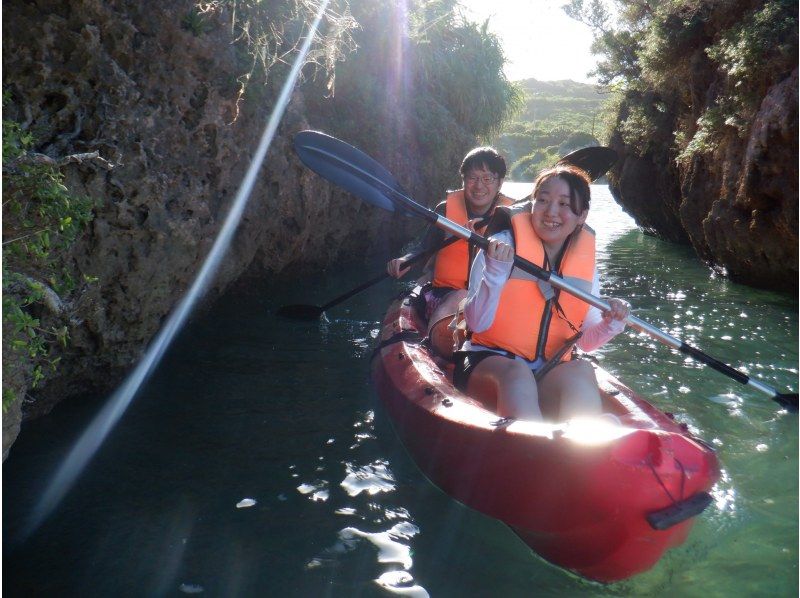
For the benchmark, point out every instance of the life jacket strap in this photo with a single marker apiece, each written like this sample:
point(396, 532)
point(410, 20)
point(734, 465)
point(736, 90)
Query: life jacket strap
point(556, 359)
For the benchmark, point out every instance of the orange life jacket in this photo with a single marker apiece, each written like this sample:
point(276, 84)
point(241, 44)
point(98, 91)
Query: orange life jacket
point(451, 269)
point(533, 319)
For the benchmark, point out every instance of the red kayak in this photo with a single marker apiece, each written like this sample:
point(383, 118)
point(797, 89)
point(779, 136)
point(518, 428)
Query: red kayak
point(599, 499)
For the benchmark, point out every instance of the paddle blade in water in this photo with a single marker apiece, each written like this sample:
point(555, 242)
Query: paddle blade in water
point(788, 401)
point(348, 167)
point(300, 312)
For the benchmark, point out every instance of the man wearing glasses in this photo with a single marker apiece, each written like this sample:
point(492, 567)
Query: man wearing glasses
point(482, 172)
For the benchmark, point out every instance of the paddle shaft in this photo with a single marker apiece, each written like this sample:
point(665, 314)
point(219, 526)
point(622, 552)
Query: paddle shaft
point(476, 239)
point(310, 312)
point(422, 255)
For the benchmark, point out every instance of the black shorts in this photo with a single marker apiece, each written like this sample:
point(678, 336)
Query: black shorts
point(467, 361)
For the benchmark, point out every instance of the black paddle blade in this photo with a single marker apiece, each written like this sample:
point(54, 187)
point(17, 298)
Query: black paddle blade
point(788, 401)
point(300, 312)
point(596, 160)
point(348, 167)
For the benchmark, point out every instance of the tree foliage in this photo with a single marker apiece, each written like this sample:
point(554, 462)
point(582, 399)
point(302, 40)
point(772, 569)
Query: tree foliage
point(414, 82)
point(422, 86)
point(41, 220)
point(665, 48)
point(558, 117)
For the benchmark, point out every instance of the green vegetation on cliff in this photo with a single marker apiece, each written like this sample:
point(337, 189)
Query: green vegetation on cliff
point(666, 49)
point(557, 118)
point(41, 219)
point(416, 84)
point(422, 86)
point(706, 126)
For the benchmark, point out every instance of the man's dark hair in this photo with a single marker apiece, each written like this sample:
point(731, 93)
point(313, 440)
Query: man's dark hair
point(484, 156)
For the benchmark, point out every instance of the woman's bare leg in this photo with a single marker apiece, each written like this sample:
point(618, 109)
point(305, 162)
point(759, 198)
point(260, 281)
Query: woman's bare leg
point(571, 390)
point(441, 336)
point(511, 382)
point(447, 306)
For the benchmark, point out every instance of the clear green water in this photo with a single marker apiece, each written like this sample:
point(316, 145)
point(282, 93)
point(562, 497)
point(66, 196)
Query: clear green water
point(248, 405)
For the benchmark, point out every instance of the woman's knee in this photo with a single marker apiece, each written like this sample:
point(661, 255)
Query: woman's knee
point(580, 365)
point(448, 306)
point(579, 368)
point(442, 339)
point(502, 371)
point(579, 392)
point(509, 383)
point(512, 370)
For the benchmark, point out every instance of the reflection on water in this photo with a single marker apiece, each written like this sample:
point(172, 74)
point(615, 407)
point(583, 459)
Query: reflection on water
point(374, 527)
point(279, 417)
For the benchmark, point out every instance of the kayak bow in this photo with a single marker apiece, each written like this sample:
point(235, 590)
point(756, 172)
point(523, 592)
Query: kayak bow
point(599, 499)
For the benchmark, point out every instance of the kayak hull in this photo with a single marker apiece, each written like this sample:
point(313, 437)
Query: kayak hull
point(578, 494)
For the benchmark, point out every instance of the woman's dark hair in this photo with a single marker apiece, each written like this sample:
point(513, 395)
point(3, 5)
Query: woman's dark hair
point(484, 156)
point(580, 195)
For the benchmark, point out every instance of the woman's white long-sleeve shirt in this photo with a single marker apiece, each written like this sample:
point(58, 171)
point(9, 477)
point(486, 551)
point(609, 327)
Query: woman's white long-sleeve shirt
point(486, 281)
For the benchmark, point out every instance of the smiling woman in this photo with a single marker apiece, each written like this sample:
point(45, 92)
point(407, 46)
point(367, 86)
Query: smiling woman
point(556, 213)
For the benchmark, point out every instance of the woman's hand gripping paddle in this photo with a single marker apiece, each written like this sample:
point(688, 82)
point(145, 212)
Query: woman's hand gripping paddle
point(353, 170)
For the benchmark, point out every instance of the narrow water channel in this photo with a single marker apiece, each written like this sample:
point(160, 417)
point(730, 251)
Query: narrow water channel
point(255, 461)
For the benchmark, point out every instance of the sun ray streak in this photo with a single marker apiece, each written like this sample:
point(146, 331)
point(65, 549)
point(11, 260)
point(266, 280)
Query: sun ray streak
point(95, 434)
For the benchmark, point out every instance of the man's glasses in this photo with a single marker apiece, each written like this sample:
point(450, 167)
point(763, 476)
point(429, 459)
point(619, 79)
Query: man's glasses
point(486, 179)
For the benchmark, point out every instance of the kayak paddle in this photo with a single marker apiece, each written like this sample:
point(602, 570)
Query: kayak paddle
point(595, 160)
point(312, 312)
point(353, 170)
point(302, 311)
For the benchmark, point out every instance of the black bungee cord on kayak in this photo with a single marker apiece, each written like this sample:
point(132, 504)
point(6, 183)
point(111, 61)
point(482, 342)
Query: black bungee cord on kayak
point(681, 509)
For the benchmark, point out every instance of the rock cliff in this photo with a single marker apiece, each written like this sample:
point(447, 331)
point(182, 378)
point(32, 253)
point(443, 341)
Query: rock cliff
point(737, 206)
point(709, 140)
point(157, 110)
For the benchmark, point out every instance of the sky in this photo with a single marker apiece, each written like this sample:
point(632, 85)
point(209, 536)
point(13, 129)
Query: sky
point(539, 39)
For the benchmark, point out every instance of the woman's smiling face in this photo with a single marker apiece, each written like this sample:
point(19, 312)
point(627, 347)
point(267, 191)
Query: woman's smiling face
point(552, 215)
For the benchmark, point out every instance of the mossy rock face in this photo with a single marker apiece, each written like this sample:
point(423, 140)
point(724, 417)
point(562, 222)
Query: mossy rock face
point(736, 204)
point(158, 103)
